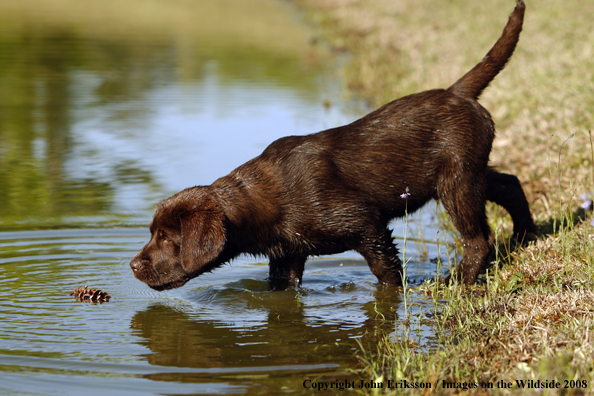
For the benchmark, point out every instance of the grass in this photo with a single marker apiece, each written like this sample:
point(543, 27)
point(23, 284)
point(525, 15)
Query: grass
point(261, 25)
point(528, 320)
point(531, 317)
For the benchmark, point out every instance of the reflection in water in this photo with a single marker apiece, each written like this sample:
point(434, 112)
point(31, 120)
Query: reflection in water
point(224, 332)
point(95, 126)
point(35, 120)
point(308, 333)
point(288, 335)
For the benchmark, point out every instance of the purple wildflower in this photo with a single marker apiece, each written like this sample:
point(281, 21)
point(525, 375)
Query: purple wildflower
point(587, 203)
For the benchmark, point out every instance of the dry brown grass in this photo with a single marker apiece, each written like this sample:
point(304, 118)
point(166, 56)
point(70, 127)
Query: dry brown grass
point(534, 317)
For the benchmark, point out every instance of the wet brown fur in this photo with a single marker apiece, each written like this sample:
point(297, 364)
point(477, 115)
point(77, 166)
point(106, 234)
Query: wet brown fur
point(337, 190)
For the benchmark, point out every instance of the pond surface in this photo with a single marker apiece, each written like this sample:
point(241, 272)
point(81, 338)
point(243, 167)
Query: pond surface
point(105, 112)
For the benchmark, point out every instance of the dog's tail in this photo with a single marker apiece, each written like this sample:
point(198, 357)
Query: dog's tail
point(472, 84)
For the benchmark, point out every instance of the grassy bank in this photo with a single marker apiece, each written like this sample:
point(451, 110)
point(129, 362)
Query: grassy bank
point(532, 319)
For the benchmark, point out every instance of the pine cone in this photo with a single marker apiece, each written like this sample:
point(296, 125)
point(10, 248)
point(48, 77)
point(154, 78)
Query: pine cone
point(92, 295)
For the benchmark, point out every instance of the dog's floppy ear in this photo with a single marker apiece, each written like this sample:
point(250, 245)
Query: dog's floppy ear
point(203, 235)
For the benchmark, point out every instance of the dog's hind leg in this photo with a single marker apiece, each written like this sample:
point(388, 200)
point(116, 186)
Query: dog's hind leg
point(465, 203)
point(382, 257)
point(505, 190)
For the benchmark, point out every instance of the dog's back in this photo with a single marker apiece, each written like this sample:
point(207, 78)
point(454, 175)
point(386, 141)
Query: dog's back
point(409, 143)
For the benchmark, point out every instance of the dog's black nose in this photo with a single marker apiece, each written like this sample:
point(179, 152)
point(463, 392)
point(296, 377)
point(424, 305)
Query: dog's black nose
point(136, 265)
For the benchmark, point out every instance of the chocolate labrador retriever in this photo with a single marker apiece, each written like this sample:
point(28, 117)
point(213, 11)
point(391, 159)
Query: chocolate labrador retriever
point(337, 190)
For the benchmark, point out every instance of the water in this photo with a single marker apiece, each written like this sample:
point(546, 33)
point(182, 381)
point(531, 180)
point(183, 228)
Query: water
point(100, 118)
point(224, 332)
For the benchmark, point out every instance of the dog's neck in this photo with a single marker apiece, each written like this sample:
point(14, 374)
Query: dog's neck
point(251, 203)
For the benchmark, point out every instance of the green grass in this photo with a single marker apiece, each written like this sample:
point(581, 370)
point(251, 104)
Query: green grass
point(531, 320)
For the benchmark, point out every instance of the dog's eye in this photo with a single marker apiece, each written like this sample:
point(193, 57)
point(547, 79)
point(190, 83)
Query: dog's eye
point(164, 236)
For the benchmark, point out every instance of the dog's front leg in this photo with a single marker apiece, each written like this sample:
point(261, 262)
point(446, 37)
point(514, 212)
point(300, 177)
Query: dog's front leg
point(286, 272)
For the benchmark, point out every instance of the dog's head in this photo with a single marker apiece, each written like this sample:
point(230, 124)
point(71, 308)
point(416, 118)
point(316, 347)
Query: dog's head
point(187, 238)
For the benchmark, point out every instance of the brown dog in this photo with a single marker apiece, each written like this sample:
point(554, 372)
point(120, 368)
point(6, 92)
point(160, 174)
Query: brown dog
point(337, 190)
